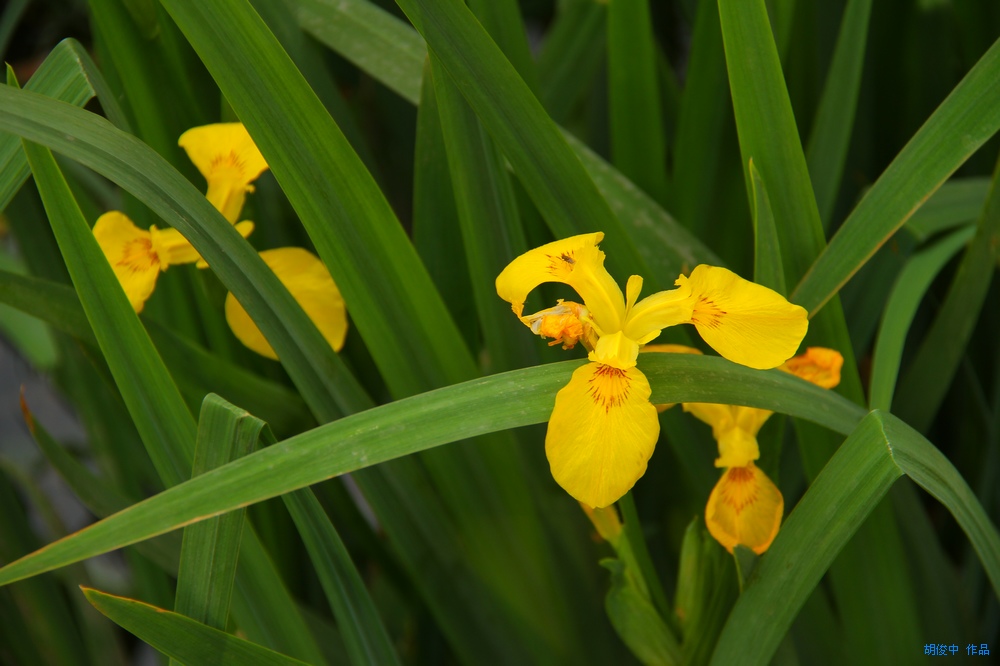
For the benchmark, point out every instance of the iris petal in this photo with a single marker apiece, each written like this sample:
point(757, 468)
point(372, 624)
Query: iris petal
point(575, 261)
point(745, 508)
point(228, 159)
point(309, 282)
point(602, 433)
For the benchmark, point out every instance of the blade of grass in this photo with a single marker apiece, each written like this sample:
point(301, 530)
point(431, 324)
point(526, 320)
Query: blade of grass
point(767, 269)
point(704, 111)
point(908, 291)
point(571, 56)
point(958, 201)
point(638, 142)
point(957, 128)
point(502, 19)
point(930, 375)
point(210, 548)
point(60, 77)
point(498, 402)
point(830, 137)
point(181, 638)
point(371, 38)
point(489, 221)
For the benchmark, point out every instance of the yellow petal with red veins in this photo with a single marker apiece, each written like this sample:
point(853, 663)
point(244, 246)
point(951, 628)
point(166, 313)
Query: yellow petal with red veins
point(745, 508)
point(309, 282)
point(745, 322)
point(575, 261)
point(228, 159)
point(131, 254)
point(601, 433)
point(818, 365)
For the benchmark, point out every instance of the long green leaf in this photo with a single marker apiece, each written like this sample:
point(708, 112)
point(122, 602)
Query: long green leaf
point(960, 125)
point(60, 77)
point(210, 548)
point(958, 201)
point(936, 362)
point(182, 638)
point(826, 150)
point(638, 142)
point(498, 402)
point(907, 293)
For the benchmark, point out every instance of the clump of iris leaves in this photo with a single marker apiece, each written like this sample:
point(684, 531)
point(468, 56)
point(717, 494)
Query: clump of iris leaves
point(840, 153)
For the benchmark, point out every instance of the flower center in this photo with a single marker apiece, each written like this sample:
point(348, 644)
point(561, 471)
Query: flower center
point(609, 387)
point(228, 166)
point(138, 256)
point(707, 313)
point(739, 492)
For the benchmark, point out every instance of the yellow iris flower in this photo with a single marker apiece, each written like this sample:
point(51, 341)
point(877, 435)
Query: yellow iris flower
point(138, 256)
point(603, 428)
point(745, 507)
point(227, 157)
point(309, 282)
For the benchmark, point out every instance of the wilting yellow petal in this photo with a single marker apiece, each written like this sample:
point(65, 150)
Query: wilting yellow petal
point(574, 261)
point(745, 508)
point(606, 521)
point(601, 433)
point(228, 159)
point(743, 321)
point(309, 282)
point(818, 365)
point(130, 252)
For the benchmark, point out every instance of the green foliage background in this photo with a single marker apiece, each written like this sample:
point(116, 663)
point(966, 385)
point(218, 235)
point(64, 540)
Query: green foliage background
point(840, 152)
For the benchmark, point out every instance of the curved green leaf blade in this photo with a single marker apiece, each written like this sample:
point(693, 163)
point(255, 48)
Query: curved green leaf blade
point(498, 402)
point(182, 638)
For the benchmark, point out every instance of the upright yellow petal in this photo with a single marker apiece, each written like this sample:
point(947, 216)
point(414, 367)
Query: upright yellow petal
point(131, 254)
point(615, 350)
point(659, 311)
point(228, 159)
point(743, 321)
point(601, 433)
point(745, 508)
point(818, 365)
point(734, 428)
point(737, 448)
point(309, 282)
point(575, 261)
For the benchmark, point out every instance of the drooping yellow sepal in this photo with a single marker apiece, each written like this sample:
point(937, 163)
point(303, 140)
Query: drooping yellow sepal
point(575, 261)
point(601, 433)
point(309, 282)
point(745, 508)
point(228, 159)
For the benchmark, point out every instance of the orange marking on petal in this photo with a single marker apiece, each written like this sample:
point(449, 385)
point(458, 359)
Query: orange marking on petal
point(138, 255)
point(609, 387)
